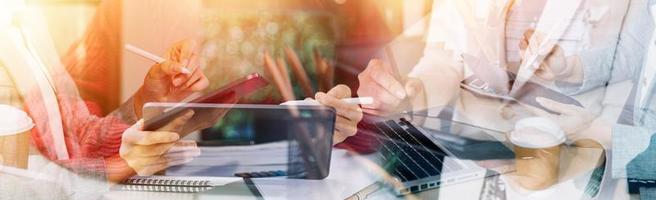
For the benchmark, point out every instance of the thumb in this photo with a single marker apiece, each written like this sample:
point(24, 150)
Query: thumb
point(415, 90)
point(340, 91)
point(132, 135)
point(138, 125)
point(413, 87)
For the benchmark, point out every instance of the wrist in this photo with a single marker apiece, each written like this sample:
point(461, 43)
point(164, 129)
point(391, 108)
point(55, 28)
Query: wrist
point(138, 103)
point(117, 169)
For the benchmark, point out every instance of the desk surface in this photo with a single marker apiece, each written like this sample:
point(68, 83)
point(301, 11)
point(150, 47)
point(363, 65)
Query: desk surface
point(348, 175)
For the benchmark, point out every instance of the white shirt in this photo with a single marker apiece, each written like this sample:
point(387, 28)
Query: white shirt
point(649, 68)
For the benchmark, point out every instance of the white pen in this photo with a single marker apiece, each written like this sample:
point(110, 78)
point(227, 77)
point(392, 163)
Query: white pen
point(312, 102)
point(150, 56)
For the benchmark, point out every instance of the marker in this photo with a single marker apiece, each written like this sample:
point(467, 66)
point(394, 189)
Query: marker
point(351, 101)
point(150, 56)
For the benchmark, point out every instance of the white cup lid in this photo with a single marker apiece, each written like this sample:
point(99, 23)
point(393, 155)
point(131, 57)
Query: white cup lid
point(13, 121)
point(549, 133)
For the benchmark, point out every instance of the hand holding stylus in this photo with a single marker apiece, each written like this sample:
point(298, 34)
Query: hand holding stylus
point(389, 92)
point(348, 114)
point(171, 79)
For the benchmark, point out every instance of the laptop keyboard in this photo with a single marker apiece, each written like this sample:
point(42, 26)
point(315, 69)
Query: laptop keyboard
point(406, 153)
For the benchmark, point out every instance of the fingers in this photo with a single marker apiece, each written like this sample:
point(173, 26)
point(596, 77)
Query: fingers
point(187, 51)
point(183, 51)
point(523, 44)
point(183, 152)
point(528, 34)
point(156, 137)
point(414, 87)
point(378, 82)
point(182, 58)
point(386, 80)
point(383, 100)
point(352, 112)
point(345, 126)
point(134, 136)
point(155, 149)
point(417, 93)
point(198, 81)
point(183, 146)
point(172, 68)
point(178, 122)
point(348, 116)
point(340, 91)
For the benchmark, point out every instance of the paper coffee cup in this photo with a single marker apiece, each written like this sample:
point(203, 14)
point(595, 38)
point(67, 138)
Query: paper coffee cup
point(537, 143)
point(15, 127)
point(547, 133)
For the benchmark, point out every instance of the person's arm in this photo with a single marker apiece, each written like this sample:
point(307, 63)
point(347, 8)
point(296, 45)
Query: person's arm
point(440, 75)
point(94, 60)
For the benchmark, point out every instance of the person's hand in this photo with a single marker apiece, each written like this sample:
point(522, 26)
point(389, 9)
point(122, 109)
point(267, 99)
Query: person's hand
point(168, 82)
point(148, 152)
point(572, 119)
point(390, 94)
point(348, 116)
point(555, 64)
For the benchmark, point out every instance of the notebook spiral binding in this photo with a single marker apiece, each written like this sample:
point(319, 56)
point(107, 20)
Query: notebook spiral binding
point(165, 182)
point(165, 188)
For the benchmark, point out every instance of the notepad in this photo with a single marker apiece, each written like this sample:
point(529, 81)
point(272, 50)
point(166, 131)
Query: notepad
point(182, 184)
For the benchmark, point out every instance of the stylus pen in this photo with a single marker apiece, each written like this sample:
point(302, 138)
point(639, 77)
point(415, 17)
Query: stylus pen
point(351, 101)
point(150, 56)
point(365, 192)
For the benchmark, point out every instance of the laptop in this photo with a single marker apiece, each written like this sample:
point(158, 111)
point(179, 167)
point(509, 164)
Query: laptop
point(422, 158)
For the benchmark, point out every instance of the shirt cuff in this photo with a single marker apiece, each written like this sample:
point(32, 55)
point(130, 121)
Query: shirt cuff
point(596, 72)
point(627, 143)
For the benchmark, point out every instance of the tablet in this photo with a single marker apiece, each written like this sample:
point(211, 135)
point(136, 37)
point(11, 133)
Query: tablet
point(226, 94)
point(256, 138)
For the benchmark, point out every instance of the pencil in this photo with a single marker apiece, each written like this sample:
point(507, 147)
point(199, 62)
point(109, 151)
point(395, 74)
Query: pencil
point(299, 72)
point(274, 71)
point(285, 74)
point(319, 68)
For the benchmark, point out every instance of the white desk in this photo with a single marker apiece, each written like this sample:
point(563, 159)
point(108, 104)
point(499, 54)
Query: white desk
point(348, 175)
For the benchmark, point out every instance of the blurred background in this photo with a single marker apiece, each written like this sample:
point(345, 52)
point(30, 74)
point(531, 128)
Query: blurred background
point(234, 35)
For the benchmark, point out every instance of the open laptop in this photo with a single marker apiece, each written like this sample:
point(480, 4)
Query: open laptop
point(444, 153)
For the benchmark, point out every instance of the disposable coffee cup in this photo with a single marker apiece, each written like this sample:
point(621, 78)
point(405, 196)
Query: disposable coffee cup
point(537, 142)
point(15, 127)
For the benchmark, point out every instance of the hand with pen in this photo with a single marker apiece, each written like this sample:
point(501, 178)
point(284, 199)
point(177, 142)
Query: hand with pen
point(390, 92)
point(173, 79)
point(348, 115)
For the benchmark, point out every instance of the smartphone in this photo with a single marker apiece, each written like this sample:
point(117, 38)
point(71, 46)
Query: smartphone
point(225, 94)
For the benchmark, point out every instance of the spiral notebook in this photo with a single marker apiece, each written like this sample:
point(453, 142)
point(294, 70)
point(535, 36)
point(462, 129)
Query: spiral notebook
point(182, 184)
